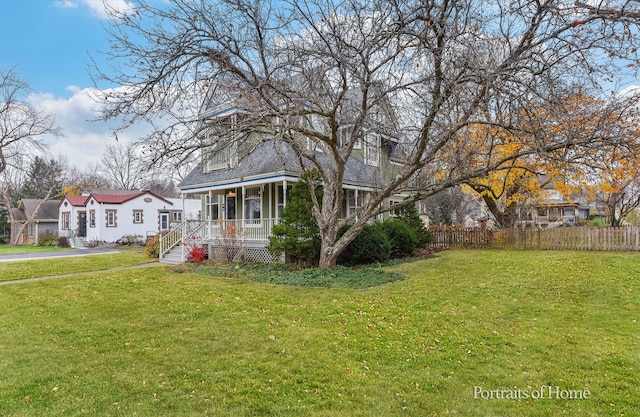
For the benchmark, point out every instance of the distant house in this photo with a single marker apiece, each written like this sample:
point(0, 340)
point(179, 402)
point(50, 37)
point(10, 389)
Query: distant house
point(111, 215)
point(44, 220)
point(552, 209)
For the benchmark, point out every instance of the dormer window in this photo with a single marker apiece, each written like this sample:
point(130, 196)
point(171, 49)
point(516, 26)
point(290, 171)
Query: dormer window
point(372, 149)
point(343, 137)
point(216, 157)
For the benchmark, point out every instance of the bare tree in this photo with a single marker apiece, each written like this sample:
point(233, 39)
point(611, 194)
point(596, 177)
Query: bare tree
point(21, 129)
point(89, 178)
point(441, 66)
point(449, 207)
point(122, 165)
point(21, 124)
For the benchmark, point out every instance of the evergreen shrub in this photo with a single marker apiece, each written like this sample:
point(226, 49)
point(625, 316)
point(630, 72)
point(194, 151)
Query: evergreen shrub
point(371, 245)
point(402, 238)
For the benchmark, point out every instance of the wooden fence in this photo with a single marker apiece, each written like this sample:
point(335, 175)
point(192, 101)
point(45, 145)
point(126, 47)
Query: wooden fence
point(571, 238)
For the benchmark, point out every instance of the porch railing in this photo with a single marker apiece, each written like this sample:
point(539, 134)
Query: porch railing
point(178, 233)
point(224, 231)
point(241, 230)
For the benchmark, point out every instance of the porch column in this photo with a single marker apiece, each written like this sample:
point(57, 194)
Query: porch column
point(207, 212)
point(355, 192)
point(284, 194)
point(243, 208)
point(271, 201)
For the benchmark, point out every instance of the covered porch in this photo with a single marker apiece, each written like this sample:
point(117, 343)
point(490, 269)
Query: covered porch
point(237, 219)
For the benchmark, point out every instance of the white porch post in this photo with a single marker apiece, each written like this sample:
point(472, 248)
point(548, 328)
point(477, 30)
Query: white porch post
point(243, 213)
point(207, 213)
point(284, 194)
point(355, 192)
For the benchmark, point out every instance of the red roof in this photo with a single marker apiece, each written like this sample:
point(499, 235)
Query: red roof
point(77, 200)
point(115, 198)
point(110, 197)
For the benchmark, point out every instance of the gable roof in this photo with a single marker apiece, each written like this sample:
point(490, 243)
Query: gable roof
point(48, 210)
point(110, 197)
point(77, 200)
point(115, 198)
point(275, 158)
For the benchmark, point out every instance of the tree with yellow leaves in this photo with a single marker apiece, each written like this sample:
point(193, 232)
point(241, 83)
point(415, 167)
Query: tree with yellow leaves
point(603, 165)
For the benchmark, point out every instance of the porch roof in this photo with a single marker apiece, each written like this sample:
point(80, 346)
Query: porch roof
point(556, 203)
point(272, 161)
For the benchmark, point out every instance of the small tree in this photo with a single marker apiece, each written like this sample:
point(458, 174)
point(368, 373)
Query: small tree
point(298, 236)
point(411, 217)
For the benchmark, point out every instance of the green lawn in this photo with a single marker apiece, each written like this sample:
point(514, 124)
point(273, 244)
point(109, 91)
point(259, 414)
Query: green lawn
point(12, 249)
point(74, 264)
point(152, 342)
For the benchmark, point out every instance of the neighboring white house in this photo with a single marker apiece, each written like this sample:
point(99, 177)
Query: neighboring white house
point(110, 215)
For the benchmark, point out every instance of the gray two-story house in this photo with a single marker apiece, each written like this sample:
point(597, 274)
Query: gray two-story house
point(244, 184)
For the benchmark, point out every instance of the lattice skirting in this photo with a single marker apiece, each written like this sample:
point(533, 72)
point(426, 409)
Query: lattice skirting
point(246, 254)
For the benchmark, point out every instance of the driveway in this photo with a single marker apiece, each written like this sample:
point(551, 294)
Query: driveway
point(57, 254)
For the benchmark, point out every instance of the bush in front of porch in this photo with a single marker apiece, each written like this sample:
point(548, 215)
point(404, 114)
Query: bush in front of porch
point(298, 236)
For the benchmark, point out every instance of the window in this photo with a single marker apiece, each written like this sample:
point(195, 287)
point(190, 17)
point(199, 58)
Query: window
point(65, 220)
point(344, 136)
point(394, 212)
point(111, 218)
point(212, 207)
point(177, 217)
point(92, 218)
point(252, 205)
point(137, 216)
point(31, 229)
point(351, 198)
point(372, 149)
point(217, 157)
point(318, 123)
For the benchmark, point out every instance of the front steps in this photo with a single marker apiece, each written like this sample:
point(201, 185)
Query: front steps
point(174, 256)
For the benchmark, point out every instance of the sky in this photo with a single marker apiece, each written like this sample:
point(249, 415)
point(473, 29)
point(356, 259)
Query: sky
point(49, 44)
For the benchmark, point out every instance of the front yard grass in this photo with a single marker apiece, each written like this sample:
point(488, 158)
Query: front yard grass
point(12, 249)
point(17, 270)
point(149, 341)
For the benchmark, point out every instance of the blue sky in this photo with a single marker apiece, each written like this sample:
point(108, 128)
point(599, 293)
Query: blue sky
point(49, 43)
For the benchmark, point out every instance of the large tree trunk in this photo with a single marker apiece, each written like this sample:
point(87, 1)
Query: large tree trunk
point(328, 257)
point(505, 218)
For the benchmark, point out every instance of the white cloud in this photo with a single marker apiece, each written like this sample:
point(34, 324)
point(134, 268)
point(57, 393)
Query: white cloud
point(85, 139)
point(98, 7)
point(630, 90)
point(66, 4)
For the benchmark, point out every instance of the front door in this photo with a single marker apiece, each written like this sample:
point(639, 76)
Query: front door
point(82, 224)
point(164, 221)
point(231, 207)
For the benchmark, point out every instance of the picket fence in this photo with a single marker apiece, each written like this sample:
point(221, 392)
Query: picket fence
point(569, 238)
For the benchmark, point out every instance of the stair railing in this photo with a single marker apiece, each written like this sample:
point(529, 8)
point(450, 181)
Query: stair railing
point(179, 233)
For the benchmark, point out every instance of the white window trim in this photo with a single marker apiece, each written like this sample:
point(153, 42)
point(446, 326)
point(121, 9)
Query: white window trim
point(246, 197)
point(373, 142)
